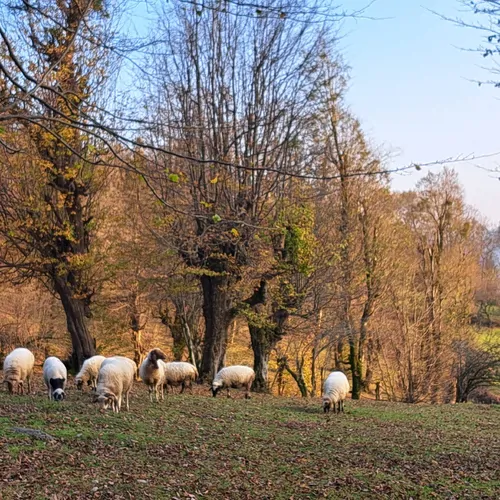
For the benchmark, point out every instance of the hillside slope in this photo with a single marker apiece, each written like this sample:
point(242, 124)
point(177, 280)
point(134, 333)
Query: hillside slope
point(194, 446)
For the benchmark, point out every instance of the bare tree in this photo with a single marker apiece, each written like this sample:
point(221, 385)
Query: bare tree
point(236, 89)
point(475, 366)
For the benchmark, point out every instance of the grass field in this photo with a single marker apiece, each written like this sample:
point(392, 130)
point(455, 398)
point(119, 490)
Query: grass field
point(194, 446)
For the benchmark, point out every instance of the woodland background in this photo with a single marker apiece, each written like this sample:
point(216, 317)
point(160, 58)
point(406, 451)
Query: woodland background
point(206, 189)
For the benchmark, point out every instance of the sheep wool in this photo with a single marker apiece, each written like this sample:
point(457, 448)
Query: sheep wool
point(179, 373)
point(116, 378)
point(89, 372)
point(335, 391)
point(18, 368)
point(55, 376)
point(233, 377)
point(152, 373)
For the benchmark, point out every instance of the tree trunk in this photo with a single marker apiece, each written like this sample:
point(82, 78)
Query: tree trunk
point(261, 354)
point(264, 337)
point(83, 344)
point(298, 376)
point(194, 354)
point(179, 343)
point(313, 372)
point(139, 352)
point(217, 313)
point(357, 370)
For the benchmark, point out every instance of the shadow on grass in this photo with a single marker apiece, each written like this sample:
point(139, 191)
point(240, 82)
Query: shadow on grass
point(312, 410)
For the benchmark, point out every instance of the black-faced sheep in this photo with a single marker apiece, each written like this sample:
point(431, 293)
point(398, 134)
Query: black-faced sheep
point(116, 378)
point(233, 377)
point(179, 373)
point(55, 376)
point(89, 372)
point(152, 373)
point(335, 391)
point(18, 368)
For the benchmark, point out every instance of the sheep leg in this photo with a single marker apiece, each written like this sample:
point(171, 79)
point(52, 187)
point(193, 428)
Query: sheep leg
point(49, 394)
point(150, 390)
point(160, 388)
point(228, 395)
point(343, 406)
point(28, 378)
point(183, 386)
point(247, 392)
point(126, 399)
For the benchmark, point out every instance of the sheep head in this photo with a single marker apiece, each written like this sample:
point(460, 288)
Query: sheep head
point(59, 394)
point(12, 385)
point(327, 405)
point(106, 400)
point(215, 390)
point(155, 355)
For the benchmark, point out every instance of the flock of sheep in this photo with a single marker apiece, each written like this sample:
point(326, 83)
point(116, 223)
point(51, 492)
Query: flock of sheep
point(112, 379)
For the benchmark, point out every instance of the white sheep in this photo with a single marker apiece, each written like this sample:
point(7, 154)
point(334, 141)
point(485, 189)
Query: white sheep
point(89, 372)
point(55, 376)
point(233, 377)
point(17, 368)
point(152, 372)
point(116, 377)
point(335, 391)
point(179, 373)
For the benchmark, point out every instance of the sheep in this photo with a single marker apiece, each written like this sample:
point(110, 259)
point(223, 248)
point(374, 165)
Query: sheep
point(116, 377)
point(179, 373)
point(335, 390)
point(152, 372)
point(18, 367)
point(233, 377)
point(88, 372)
point(55, 376)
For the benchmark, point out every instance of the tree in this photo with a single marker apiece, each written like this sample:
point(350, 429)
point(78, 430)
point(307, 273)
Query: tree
point(236, 89)
point(485, 18)
point(345, 152)
point(282, 289)
point(436, 260)
point(50, 180)
point(475, 366)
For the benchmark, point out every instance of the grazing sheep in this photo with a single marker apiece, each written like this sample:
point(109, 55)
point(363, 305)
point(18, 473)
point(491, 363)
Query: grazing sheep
point(89, 372)
point(152, 372)
point(335, 390)
point(179, 373)
point(55, 376)
point(233, 377)
point(116, 377)
point(18, 367)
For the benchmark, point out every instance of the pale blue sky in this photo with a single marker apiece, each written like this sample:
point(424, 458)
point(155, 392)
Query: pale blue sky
point(410, 90)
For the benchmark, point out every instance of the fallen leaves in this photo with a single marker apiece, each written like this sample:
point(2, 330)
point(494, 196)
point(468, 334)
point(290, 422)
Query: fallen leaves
point(194, 447)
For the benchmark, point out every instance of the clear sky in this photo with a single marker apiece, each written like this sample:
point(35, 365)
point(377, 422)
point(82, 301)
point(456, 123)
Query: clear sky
point(411, 89)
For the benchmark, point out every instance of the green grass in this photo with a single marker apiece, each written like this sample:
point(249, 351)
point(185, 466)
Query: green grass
point(194, 446)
